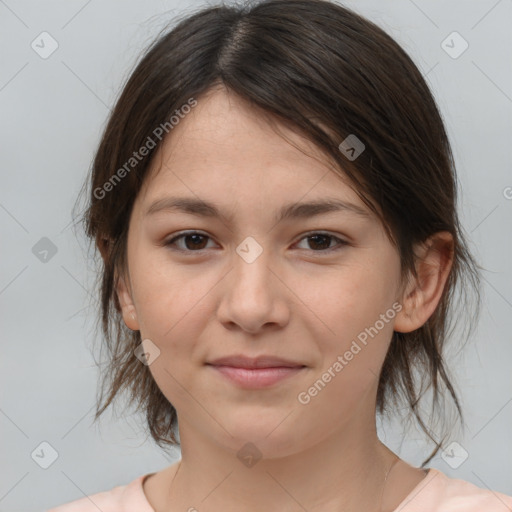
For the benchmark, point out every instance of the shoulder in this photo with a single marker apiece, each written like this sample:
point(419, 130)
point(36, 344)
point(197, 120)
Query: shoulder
point(123, 498)
point(440, 493)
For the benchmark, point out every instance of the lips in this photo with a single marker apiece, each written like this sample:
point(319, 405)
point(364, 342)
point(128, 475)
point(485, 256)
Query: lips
point(255, 373)
point(264, 361)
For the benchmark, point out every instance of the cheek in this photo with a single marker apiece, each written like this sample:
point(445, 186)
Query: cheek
point(356, 320)
point(172, 316)
point(170, 297)
point(350, 299)
point(350, 367)
point(171, 312)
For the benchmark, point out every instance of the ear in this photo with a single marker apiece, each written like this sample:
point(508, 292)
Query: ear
point(126, 302)
point(422, 294)
point(128, 311)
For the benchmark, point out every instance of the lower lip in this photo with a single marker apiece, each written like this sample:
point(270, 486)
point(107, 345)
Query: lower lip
point(257, 378)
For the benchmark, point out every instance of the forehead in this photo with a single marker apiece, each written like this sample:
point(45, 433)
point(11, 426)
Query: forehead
point(225, 147)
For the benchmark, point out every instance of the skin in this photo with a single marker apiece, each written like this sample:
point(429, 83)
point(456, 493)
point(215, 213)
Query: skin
point(295, 300)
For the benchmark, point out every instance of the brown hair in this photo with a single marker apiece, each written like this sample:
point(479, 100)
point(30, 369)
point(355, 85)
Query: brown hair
point(326, 72)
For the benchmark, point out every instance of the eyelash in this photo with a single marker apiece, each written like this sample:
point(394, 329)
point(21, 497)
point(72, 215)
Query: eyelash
point(341, 243)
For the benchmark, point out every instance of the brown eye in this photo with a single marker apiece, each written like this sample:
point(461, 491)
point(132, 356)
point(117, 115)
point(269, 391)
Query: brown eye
point(193, 241)
point(321, 242)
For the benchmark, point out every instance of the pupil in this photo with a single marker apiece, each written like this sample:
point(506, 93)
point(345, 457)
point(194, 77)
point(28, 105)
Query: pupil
point(196, 239)
point(316, 237)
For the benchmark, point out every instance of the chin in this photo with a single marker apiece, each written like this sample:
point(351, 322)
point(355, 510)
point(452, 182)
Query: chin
point(268, 440)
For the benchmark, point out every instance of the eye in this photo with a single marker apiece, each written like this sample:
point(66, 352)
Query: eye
point(194, 241)
point(321, 240)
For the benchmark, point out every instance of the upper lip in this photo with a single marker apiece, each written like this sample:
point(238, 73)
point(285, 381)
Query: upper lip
point(265, 361)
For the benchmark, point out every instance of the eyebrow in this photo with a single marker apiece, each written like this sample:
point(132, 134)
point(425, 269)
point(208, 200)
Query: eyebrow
point(202, 208)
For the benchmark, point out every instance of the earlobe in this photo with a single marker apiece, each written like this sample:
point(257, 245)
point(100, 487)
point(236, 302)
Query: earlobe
point(123, 294)
point(423, 293)
point(127, 307)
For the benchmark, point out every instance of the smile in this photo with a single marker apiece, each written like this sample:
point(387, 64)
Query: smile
point(255, 378)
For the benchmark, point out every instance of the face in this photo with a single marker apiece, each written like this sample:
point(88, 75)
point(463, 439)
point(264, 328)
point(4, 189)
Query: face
point(319, 290)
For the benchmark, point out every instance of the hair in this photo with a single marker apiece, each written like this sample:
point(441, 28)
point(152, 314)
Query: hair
point(325, 72)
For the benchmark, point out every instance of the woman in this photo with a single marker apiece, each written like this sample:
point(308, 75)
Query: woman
point(274, 201)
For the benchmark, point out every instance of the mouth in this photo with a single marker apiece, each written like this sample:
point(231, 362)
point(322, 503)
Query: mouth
point(256, 378)
point(260, 362)
point(255, 372)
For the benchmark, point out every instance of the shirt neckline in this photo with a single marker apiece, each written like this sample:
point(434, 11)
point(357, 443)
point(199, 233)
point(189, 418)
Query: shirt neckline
point(431, 474)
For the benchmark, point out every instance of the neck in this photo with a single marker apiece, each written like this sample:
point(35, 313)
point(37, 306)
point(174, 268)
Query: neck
point(345, 471)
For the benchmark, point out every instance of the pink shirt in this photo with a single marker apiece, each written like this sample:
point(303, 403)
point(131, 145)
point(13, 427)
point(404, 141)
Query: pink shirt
point(435, 493)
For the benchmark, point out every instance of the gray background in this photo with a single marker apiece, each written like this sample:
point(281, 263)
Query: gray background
point(52, 114)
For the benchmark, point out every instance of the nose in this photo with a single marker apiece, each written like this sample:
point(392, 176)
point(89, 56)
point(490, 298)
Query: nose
point(254, 295)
